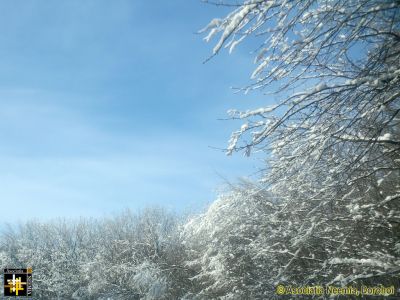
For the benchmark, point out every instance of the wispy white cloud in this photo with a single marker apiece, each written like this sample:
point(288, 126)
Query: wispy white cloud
point(57, 160)
point(105, 105)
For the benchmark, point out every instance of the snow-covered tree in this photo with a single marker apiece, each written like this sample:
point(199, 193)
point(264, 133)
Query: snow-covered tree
point(332, 139)
point(335, 66)
point(128, 256)
point(227, 246)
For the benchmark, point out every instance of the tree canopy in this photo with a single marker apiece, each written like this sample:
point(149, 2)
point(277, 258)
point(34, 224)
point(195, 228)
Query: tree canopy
point(331, 140)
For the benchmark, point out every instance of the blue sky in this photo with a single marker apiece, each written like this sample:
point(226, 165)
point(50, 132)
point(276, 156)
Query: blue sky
point(106, 105)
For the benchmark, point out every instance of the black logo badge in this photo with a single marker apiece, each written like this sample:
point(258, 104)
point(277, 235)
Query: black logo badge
point(18, 282)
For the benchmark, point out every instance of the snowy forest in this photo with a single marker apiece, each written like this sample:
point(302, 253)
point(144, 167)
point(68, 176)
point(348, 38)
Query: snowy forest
point(325, 209)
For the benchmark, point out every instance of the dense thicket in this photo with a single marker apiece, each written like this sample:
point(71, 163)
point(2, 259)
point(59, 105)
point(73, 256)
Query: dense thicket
point(129, 256)
point(331, 136)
